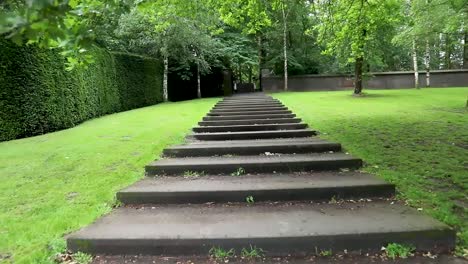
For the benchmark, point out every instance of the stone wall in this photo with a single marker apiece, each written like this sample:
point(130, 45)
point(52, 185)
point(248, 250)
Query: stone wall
point(381, 80)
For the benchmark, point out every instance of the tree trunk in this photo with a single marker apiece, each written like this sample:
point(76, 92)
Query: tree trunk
point(427, 62)
point(358, 75)
point(415, 66)
point(285, 48)
point(198, 82)
point(465, 51)
point(250, 74)
point(165, 75)
point(448, 52)
point(260, 61)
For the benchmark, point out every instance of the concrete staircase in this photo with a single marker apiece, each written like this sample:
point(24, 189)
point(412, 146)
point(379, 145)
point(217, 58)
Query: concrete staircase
point(252, 146)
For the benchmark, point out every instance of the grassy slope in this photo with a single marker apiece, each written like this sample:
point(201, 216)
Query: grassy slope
point(417, 139)
point(59, 182)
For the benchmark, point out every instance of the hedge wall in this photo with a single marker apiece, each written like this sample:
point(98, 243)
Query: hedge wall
point(37, 94)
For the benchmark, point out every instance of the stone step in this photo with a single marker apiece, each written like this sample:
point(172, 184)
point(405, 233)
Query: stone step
point(262, 187)
point(250, 102)
point(254, 134)
point(262, 112)
point(250, 110)
point(261, 127)
point(243, 117)
point(250, 122)
point(250, 105)
point(253, 164)
point(244, 99)
point(278, 229)
point(265, 140)
point(250, 147)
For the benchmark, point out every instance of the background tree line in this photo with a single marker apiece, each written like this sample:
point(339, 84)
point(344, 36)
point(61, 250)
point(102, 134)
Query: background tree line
point(286, 36)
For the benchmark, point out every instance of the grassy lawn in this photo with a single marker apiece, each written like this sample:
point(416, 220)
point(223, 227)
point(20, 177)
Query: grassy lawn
point(56, 183)
point(417, 139)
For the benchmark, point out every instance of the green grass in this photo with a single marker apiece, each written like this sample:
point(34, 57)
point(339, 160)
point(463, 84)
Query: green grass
point(416, 139)
point(53, 184)
point(56, 183)
point(395, 250)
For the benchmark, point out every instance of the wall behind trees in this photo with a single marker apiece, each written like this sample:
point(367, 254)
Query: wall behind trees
point(377, 80)
point(38, 95)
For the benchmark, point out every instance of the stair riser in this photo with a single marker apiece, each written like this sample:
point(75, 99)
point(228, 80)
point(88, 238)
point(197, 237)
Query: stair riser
point(295, 246)
point(277, 112)
point(249, 128)
point(248, 110)
point(295, 166)
point(248, 106)
point(244, 117)
point(248, 99)
point(250, 122)
point(228, 136)
point(200, 197)
point(206, 151)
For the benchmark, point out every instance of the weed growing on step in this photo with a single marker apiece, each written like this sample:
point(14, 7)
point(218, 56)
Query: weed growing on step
point(252, 252)
point(192, 174)
point(250, 199)
point(240, 171)
point(82, 258)
point(395, 250)
point(325, 253)
point(220, 253)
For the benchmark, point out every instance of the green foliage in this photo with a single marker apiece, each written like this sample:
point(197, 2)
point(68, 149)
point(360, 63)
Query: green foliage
point(395, 250)
point(57, 246)
point(220, 253)
point(82, 258)
point(352, 29)
point(252, 252)
point(325, 253)
point(73, 26)
point(250, 199)
point(192, 174)
point(38, 95)
point(240, 171)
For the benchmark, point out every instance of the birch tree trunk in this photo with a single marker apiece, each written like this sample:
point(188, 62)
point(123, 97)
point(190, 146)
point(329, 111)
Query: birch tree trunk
point(165, 77)
point(465, 51)
point(415, 66)
point(260, 60)
point(448, 53)
point(427, 62)
point(198, 81)
point(285, 47)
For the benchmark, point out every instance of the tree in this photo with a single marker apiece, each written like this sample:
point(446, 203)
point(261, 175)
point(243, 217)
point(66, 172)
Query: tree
point(249, 16)
point(72, 26)
point(349, 29)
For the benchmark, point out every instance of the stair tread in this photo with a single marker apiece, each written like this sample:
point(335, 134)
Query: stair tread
point(254, 132)
point(252, 159)
point(252, 143)
point(315, 180)
point(252, 116)
point(260, 221)
point(258, 141)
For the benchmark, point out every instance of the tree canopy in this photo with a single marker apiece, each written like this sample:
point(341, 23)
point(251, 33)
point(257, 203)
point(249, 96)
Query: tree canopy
point(246, 36)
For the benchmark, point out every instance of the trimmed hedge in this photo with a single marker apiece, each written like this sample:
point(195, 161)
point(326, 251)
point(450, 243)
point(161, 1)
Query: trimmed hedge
point(37, 94)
